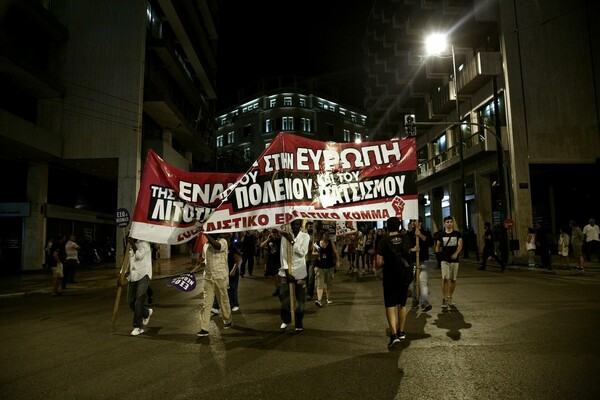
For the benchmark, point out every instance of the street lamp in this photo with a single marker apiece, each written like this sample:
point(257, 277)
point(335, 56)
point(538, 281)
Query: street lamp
point(436, 44)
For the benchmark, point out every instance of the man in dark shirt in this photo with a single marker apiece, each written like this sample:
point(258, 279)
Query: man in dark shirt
point(393, 253)
point(488, 248)
point(449, 245)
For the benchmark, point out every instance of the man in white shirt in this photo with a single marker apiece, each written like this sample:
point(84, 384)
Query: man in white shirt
point(295, 242)
point(216, 281)
point(140, 274)
point(72, 261)
point(591, 233)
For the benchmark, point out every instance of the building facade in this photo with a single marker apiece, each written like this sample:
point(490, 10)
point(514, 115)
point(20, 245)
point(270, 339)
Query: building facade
point(526, 78)
point(246, 130)
point(87, 87)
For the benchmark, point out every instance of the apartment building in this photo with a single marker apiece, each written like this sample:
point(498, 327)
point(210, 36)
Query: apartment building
point(526, 78)
point(87, 87)
point(285, 105)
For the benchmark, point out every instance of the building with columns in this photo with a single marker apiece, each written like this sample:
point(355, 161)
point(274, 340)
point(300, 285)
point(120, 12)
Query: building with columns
point(521, 71)
point(87, 87)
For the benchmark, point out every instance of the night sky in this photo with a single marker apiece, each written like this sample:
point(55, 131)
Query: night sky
point(308, 39)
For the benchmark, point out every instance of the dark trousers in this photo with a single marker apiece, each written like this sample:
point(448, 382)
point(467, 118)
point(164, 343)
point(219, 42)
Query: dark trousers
point(593, 246)
point(284, 297)
point(136, 298)
point(69, 268)
point(247, 258)
point(489, 252)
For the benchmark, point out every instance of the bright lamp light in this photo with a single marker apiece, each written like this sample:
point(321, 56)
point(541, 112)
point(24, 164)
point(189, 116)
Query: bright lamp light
point(436, 44)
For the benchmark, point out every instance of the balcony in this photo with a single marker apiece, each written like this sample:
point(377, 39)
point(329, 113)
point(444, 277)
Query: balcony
point(478, 71)
point(442, 100)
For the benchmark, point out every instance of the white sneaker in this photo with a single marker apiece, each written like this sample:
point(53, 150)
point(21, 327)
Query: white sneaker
point(329, 301)
point(236, 308)
point(283, 326)
point(146, 320)
point(214, 311)
point(136, 331)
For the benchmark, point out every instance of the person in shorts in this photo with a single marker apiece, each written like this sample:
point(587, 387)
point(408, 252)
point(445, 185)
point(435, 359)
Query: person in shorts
point(393, 255)
point(449, 245)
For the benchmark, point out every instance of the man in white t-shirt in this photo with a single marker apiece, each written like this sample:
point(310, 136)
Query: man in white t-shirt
point(72, 261)
point(591, 233)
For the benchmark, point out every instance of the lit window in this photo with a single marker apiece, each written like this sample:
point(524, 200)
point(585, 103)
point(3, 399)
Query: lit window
point(223, 121)
point(219, 141)
point(230, 138)
point(272, 103)
point(346, 135)
point(267, 144)
point(287, 101)
point(268, 127)
point(305, 124)
point(287, 123)
point(357, 137)
point(353, 118)
point(302, 102)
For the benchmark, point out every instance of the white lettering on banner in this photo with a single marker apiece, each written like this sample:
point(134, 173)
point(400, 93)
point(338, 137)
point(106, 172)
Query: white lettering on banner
point(332, 194)
point(163, 192)
point(273, 191)
point(196, 193)
point(177, 211)
point(350, 158)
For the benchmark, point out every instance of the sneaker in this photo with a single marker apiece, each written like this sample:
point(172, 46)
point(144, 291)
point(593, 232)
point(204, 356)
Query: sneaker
point(283, 326)
point(147, 319)
point(299, 329)
point(393, 341)
point(444, 304)
point(228, 326)
point(202, 333)
point(214, 312)
point(415, 304)
point(401, 335)
point(450, 302)
point(236, 308)
point(136, 331)
point(427, 307)
point(329, 301)
point(318, 303)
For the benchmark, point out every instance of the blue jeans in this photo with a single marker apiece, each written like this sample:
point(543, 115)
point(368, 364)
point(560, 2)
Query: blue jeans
point(136, 298)
point(423, 286)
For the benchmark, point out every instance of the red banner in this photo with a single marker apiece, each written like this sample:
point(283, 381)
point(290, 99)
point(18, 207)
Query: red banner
point(296, 177)
point(172, 204)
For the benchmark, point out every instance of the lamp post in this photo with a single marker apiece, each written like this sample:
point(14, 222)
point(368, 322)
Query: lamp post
point(436, 45)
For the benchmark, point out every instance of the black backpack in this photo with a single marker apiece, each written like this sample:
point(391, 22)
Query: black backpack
point(406, 269)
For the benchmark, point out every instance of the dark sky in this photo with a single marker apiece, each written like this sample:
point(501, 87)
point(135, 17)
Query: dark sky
point(308, 38)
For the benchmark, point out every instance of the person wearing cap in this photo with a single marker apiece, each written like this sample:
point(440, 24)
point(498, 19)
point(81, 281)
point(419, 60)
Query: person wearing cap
point(393, 255)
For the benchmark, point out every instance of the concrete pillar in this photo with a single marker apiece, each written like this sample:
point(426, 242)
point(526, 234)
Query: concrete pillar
point(436, 210)
point(483, 204)
point(167, 137)
point(455, 204)
point(34, 235)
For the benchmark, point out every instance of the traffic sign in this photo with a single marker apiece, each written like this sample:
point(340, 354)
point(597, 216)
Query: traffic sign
point(122, 217)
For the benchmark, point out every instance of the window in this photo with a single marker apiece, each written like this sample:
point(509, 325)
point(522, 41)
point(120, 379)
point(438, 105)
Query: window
point(357, 137)
point(247, 154)
point(486, 113)
point(287, 123)
point(223, 121)
point(268, 127)
point(248, 130)
point(329, 130)
point(287, 101)
point(302, 102)
point(305, 122)
point(346, 135)
point(230, 138)
point(219, 141)
point(353, 117)
point(272, 103)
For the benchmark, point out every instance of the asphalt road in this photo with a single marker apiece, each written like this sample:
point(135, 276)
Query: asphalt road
point(515, 335)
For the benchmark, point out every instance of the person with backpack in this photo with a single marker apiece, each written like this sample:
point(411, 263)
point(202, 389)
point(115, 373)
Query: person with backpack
point(393, 253)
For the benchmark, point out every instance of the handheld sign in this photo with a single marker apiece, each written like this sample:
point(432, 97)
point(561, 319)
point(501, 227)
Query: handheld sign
point(122, 217)
point(183, 282)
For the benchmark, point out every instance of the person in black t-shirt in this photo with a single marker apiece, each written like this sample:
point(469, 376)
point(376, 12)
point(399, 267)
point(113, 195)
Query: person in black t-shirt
point(488, 248)
point(449, 245)
point(393, 253)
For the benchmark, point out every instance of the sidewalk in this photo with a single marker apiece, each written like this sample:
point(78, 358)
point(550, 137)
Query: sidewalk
point(87, 277)
point(105, 275)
